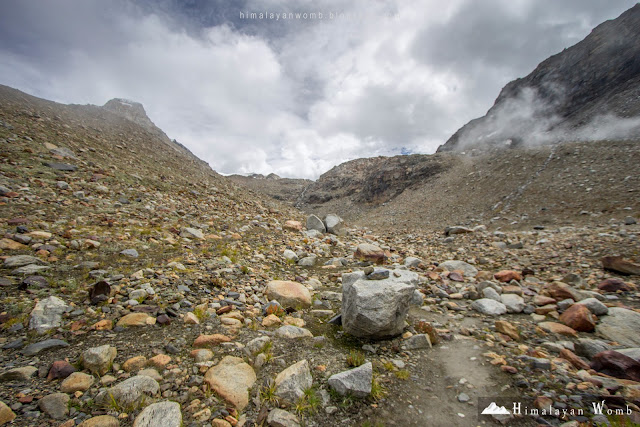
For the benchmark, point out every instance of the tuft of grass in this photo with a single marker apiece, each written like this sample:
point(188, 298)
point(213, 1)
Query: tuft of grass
point(355, 358)
point(378, 391)
point(388, 365)
point(268, 393)
point(201, 314)
point(309, 403)
point(372, 424)
point(402, 374)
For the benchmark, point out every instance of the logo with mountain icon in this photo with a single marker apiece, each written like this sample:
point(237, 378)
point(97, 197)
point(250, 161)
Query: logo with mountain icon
point(494, 409)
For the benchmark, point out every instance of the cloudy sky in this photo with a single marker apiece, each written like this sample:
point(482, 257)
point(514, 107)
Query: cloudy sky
point(283, 93)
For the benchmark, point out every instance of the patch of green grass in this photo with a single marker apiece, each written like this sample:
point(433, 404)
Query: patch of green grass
point(389, 366)
point(268, 393)
point(309, 403)
point(378, 391)
point(372, 424)
point(355, 358)
point(402, 374)
point(200, 313)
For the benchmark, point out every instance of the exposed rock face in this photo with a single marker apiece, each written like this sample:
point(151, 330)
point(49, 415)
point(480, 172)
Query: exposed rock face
point(565, 91)
point(293, 381)
point(376, 309)
point(47, 314)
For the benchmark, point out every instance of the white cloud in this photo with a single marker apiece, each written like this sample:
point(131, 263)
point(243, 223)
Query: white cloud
point(292, 98)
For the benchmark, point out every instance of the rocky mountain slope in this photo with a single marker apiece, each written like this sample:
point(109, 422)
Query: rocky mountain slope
point(573, 183)
point(287, 190)
point(588, 91)
point(138, 287)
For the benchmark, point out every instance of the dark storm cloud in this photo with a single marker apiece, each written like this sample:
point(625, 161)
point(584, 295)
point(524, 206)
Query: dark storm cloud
point(292, 96)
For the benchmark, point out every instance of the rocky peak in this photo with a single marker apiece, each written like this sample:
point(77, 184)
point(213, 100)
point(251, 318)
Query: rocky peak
point(130, 110)
point(588, 91)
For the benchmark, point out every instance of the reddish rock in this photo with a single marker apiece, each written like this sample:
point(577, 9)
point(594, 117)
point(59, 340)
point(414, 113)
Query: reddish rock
point(543, 402)
point(369, 252)
point(574, 359)
point(507, 275)
point(288, 293)
point(456, 276)
point(17, 221)
point(293, 225)
point(560, 291)
point(579, 317)
point(210, 340)
point(508, 329)
point(509, 369)
point(542, 300)
point(613, 285)
point(557, 328)
point(60, 369)
point(616, 365)
point(223, 310)
point(163, 319)
point(512, 289)
point(620, 265)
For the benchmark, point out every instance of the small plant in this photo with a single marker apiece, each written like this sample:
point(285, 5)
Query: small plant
point(402, 374)
point(244, 269)
point(310, 402)
point(378, 391)
point(268, 393)
point(388, 365)
point(200, 313)
point(355, 358)
point(371, 424)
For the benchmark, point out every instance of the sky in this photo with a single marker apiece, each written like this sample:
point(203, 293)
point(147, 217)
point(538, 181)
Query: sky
point(300, 86)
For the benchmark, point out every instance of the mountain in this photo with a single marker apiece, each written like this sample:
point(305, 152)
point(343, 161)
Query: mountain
point(588, 91)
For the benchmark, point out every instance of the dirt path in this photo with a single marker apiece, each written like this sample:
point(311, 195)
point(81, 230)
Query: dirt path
point(430, 396)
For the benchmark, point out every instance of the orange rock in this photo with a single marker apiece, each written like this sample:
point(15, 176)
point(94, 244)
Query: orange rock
point(574, 359)
point(159, 361)
point(579, 317)
point(557, 328)
point(293, 225)
point(507, 276)
point(210, 340)
point(103, 325)
point(508, 329)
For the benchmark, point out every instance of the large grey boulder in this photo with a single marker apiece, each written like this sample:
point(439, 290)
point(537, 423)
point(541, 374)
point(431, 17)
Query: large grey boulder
point(621, 325)
point(513, 302)
point(166, 414)
point(130, 393)
point(489, 306)
point(47, 314)
point(334, 224)
point(315, 223)
point(467, 269)
point(376, 309)
point(356, 382)
point(293, 381)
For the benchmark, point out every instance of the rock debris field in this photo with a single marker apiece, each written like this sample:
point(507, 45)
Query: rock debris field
point(133, 297)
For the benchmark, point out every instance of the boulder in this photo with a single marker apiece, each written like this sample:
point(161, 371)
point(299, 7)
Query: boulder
point(77, 381)
point(613, 285)
point(588, 348)
point(579, 317)
point(231, 379)
point(18, 374)
point(293, 381)
point(47, 314)
point(292, 225)
point(616, 365)
point(557, 328)
point(165, 414)
point(595, 306)
point(467, 269)
point(561, 291)
point(622, 326)
point(315, 223)
point(334, 224)
point(98, 360)
point(356, 382)
point(513, 302)
point(376, 309)
point(6, 414)
point(507, 276)
point(620, 265)
point(281, 418)
point(55, 405)
point(489, 307)
point(131, 392)
point(289, 294)
point(369, 252)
